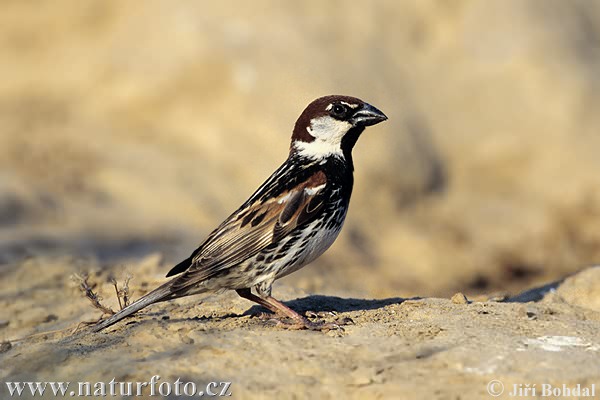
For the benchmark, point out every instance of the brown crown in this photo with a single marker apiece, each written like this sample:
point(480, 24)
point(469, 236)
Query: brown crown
point(317, 108)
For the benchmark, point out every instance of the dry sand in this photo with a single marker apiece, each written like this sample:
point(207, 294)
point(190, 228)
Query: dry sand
point(394, 348)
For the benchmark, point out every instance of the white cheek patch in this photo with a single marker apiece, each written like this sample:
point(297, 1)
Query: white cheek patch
point(328, 133)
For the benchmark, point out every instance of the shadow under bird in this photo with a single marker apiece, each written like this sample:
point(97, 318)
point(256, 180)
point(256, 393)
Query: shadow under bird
point(287, 223)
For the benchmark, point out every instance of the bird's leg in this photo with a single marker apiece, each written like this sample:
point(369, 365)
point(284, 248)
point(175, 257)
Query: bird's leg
point(281, 309)
point(247, 294)
point(300, 322)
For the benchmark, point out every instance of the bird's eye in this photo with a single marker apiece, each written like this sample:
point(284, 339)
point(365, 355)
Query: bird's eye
point(338, 110)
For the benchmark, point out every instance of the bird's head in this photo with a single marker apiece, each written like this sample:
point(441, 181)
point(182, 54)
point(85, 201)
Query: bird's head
point(331, 125)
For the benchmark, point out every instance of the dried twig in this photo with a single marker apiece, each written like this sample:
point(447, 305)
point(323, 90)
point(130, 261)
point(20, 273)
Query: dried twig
point(114, 282)
point(84, 323)
point(123, 295)
point(126, 293)
point(88, 290)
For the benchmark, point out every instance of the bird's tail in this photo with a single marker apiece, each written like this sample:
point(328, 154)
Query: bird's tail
point(161, 293)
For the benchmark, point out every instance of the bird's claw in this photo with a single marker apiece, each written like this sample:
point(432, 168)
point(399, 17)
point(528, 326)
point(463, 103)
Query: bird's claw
point(306, 324)
point(315, 326)
point(265, 316)
point(320, 314)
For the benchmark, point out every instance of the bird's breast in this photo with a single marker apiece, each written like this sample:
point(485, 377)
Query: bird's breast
point(312, 240)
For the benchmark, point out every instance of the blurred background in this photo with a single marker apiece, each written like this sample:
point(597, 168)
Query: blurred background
point(134, 128)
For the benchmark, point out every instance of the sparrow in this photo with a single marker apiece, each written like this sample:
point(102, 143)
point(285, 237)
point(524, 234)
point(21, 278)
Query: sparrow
point(291, 219)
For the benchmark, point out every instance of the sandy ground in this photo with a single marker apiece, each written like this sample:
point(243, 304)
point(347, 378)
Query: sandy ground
point(429, 348)
point(130, 130)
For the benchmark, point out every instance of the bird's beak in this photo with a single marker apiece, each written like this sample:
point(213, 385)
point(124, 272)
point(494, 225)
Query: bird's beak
point(367, 115)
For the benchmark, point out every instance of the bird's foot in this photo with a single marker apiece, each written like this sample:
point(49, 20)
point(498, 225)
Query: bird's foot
point(294, 324)
point(264, 316)
point(299, 323)
point(285, 317)
point(329, 314)
point(304, 323)
point(320, 314)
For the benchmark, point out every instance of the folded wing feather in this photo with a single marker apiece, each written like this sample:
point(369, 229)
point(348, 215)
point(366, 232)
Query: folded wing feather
point(240, 237)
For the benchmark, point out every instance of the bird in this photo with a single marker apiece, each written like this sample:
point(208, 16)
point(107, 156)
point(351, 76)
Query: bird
point(289, 221)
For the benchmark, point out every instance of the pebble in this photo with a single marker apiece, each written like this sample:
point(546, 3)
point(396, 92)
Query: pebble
point(5, 346)
point(187, 340)
point(459, 298)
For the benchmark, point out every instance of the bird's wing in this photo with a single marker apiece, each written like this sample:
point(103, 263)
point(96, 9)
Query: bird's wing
point(253, 228)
